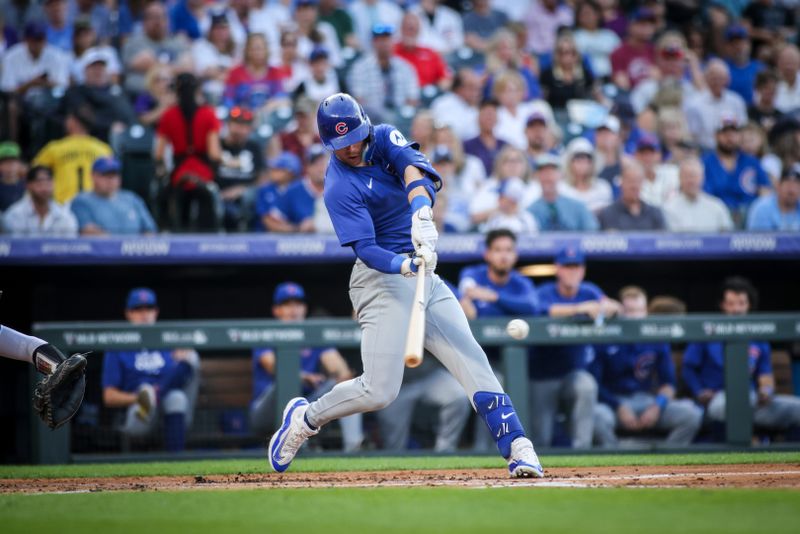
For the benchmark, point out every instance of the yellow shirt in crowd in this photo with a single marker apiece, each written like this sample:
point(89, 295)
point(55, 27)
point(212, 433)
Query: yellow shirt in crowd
point(70, 158)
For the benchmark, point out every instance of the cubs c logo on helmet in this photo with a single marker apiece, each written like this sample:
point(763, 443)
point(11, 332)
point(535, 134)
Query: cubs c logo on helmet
point(341, 128)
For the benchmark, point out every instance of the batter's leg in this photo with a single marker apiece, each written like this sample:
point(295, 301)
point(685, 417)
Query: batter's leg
point(382, 303)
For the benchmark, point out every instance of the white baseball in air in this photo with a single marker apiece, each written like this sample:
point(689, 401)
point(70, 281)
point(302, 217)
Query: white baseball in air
point(517, 328)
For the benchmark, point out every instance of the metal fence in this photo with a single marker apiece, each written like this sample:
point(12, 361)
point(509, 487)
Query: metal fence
point(288, 338)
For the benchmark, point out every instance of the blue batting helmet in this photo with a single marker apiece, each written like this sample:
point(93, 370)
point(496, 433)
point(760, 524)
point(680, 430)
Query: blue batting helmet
point(342, 121)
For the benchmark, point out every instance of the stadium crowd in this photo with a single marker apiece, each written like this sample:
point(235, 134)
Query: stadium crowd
point(133, 116)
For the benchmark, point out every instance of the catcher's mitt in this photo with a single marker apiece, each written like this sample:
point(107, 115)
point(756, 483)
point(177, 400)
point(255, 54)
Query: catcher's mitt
point(59, 395)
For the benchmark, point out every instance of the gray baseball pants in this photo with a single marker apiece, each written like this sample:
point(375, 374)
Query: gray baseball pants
point(383, 306)
point(781, 412)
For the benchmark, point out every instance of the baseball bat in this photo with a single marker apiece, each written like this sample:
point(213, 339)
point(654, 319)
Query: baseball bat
point(415, 339)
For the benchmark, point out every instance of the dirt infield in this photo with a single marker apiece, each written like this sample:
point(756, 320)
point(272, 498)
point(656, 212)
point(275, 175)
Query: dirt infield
point(704, 476)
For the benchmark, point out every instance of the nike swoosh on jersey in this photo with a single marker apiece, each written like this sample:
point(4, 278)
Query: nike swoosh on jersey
point(506, 415)
point(369, 185)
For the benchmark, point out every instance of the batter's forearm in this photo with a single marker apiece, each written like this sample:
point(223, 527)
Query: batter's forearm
point(378, 258)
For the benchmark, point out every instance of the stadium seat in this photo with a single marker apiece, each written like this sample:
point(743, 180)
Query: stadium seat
point(134, 147)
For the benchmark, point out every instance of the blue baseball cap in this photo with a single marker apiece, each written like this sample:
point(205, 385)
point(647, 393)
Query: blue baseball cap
point(643, 14)
point(36, 30)
point(288, 291)
point(317, 53)
point(736, 31)
point(141, 297)
point(382, 30)
point(288, 162)
point(106, 165)
point(570, 256)
point(648, 142)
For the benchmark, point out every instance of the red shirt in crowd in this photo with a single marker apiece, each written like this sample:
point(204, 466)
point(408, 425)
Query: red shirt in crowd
point(635, 61)
point(430, 67)
point(173, 127)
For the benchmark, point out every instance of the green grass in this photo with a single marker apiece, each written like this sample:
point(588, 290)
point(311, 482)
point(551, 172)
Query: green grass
point(408, 510)
point(319, 464)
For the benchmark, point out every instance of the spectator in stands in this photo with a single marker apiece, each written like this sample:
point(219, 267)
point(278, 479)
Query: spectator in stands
point(422, 131)
point(185, 17)
point(673, 133)
point(754, 143)
point(214, 55)
point(431, 68)
point(71, 157)
point(778, 211)
point(676, 69)
point(608, 150)
point(558, 373)
point(540, 136)
point(731, 175)
point(321, 80)
point(469, 174)
point(296, 207)
point(432, 386)
point(451, 215)
point(304, 134)
point(154, 45)
point(634, 59)
point(321, 368)
point(59, 30)
point(31, 69)
point(505, 54)
point(382, 82)
point(152, 385)
point(742, 67)
point(513, 112)
point(481, 23)
point(510, 165)
point(485, 146)
point(254, 84)
point(511, 213)
point(291, 67)
point(283, 170)
point(12, 170)
point(313, 33)
point(366, 14)
point(98, 16)
point(704, 111)
point(459, 108)
point(330, 11)
point(84, 39)
point(787, 98)
point(241, 166)
point(37, 214)
point(566, 78)
point(630, 212)
point(109, 210)
point(158, 97)
point(703, 368)
point(581, 179)
point(763, 110)
point(593, 39)
point(441, 27)
point(692, 209)
point(110, 107)
point(192, 129)
point(18, 13)
point(636, 385)
point(770, 24)
point(660, 179)
point(244, 19)
point(542, 20)
point(554, 211)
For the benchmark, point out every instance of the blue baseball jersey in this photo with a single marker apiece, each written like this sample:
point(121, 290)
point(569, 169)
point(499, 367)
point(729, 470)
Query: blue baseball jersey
point(549, 362)
point(371, 202)
point(737, 188)
point(704, 365)
point(127, 370)
point(626, 369)
point(297, 203)
point(516, 297)
point(309, 363)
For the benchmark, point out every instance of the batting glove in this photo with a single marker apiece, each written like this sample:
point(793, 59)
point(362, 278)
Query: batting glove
point(430, 257)
point(423, 231)
point(410, 266)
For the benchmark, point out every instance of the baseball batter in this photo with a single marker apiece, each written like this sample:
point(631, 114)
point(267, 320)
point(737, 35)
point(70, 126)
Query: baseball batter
point(379, 190)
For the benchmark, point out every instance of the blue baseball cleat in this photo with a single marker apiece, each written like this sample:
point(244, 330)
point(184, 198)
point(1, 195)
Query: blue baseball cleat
point(523, 462)
point(294, 431)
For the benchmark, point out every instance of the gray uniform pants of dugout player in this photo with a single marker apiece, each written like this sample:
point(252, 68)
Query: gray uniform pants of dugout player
point(383, 305)
point(680, 418)
point(780, 413)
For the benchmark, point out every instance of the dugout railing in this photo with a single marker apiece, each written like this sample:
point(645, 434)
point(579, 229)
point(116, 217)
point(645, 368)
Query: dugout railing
point(288, 338)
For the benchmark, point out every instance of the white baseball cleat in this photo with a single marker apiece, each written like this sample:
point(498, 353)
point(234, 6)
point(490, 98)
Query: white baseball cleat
point(294, 431)
point(523, 462)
